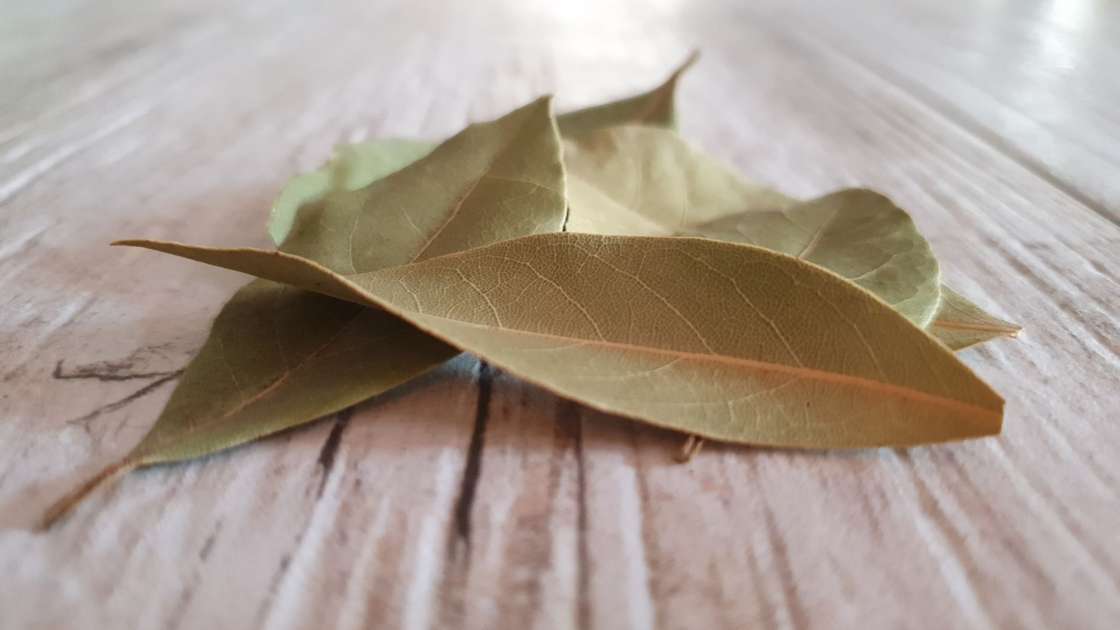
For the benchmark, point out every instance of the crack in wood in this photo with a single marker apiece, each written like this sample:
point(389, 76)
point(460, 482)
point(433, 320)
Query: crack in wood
point(583, 567)
point(328, 455)
point(329, 451)
point(117, 404)
point(208, 545)
point(461, 517)
point(105, 371)
point(175, 621)
point(274, 583)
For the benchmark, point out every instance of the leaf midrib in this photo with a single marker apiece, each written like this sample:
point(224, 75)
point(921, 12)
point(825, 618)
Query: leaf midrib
point(143, 451)
point(364, 296)
point(486, 171)
point(666, 91)
point(957, 325)
point(766, 366)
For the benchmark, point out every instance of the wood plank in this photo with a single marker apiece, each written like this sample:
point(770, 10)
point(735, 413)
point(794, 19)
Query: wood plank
point(1029, 78)
point(556, 516)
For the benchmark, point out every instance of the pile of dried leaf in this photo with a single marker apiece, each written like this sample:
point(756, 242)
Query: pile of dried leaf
point(600, 256)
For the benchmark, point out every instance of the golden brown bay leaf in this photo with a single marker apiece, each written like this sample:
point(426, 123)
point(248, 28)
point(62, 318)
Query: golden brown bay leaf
point(724, 341)
point(359, 165)
point(278, 356)
point(960, 324)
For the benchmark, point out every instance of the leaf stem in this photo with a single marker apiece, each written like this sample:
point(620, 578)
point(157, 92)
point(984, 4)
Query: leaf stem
point(63, 506)
point(692, 445)
point(1005, 329)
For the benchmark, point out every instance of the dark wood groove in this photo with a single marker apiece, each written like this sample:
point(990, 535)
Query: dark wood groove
point(461, 515)
point(329, 450)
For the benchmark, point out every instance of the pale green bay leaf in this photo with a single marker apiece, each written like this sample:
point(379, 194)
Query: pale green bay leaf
point(279, 356)
point(960, 324)
point(724, 341)
point(354, 166)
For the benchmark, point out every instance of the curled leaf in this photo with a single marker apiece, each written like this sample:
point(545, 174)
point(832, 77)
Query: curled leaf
point(723, 341)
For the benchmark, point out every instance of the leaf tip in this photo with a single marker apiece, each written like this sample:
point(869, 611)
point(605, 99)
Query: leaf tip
point(127, 242)
point(60, 508)
point(543, 101)
point(689, 61)
point(692, 445)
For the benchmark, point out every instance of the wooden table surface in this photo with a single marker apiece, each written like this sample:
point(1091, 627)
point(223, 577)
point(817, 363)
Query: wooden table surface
point(995, 123)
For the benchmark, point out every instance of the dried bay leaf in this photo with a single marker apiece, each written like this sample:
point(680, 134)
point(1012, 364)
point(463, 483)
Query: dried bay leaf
point(487, 183)
point(330, 211)
point(724, 341)
point(957, 322)
point(649, 181)
point(278, 356)
point(856, 233)
point(323, 355)
point(359, 165)
point(960, 324)
point(355, 166)
point(656, 107)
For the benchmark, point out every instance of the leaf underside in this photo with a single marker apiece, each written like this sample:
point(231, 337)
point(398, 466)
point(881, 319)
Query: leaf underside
point(729, 342)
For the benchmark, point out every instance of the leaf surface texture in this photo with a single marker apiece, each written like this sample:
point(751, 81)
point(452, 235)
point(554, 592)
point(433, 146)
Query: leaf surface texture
point(960, 324)
point(724, 341)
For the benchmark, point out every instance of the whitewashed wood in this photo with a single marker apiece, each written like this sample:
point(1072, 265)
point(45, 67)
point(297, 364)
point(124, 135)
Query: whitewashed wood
point(1032, 78)
point(182, 120)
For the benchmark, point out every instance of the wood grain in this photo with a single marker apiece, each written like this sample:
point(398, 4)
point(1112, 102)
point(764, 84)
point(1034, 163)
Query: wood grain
point(470, 499)
point(1025, 78)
